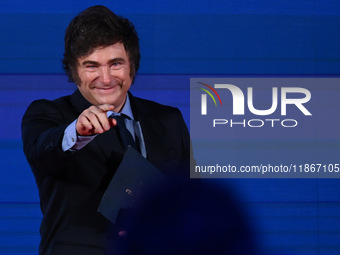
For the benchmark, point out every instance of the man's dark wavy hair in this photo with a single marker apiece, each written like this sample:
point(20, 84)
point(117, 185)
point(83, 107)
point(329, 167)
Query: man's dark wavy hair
point(96, 27)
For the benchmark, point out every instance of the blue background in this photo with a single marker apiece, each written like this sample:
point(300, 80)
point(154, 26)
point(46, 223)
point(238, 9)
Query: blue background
point(179, 40)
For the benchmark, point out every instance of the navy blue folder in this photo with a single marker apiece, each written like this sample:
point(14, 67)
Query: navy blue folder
point(134, 176)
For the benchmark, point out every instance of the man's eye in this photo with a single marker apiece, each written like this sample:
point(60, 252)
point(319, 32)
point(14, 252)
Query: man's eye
point(91, 67)
point(116, 65)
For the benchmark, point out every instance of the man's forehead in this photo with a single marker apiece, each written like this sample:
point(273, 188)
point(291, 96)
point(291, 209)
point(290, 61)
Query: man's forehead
point(106, 53)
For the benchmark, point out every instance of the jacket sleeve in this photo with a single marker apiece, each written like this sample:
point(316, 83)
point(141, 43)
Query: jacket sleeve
point(42, 128)
point(185, 137)
point(187, 150)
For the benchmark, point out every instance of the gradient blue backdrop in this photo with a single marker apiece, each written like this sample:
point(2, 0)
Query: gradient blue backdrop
point(179, 39)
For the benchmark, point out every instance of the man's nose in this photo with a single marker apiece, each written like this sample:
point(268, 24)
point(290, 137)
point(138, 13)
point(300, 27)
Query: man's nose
point(105, 74)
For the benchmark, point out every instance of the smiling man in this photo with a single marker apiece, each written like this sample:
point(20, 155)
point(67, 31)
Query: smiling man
point(73, 143)
point(104, 80)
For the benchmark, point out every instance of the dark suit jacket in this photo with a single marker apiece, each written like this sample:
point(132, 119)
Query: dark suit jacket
point(71, 184)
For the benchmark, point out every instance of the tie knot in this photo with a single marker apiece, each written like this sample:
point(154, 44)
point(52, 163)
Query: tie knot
point(124, 133)
point(121, 119)
point(125, 116)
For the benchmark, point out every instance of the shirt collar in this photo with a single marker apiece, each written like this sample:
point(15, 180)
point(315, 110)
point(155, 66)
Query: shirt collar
point(125, 110)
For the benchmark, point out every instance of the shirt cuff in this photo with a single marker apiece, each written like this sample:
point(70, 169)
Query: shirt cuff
point(72, 141)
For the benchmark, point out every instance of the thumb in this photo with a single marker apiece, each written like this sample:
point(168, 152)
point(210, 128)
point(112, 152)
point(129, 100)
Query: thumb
point(106, 107)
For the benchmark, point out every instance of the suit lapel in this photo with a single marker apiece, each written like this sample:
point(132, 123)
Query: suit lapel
point(150, 127)
point(79, 103)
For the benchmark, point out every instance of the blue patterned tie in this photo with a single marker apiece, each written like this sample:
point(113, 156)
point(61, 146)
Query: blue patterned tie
point(124, 133)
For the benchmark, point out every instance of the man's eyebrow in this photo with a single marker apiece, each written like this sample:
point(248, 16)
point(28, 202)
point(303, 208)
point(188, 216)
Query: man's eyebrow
point(89, 62)
point(116, 59)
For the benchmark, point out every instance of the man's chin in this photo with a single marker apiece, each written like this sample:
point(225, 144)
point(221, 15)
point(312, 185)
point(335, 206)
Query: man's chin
point(112, 101)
